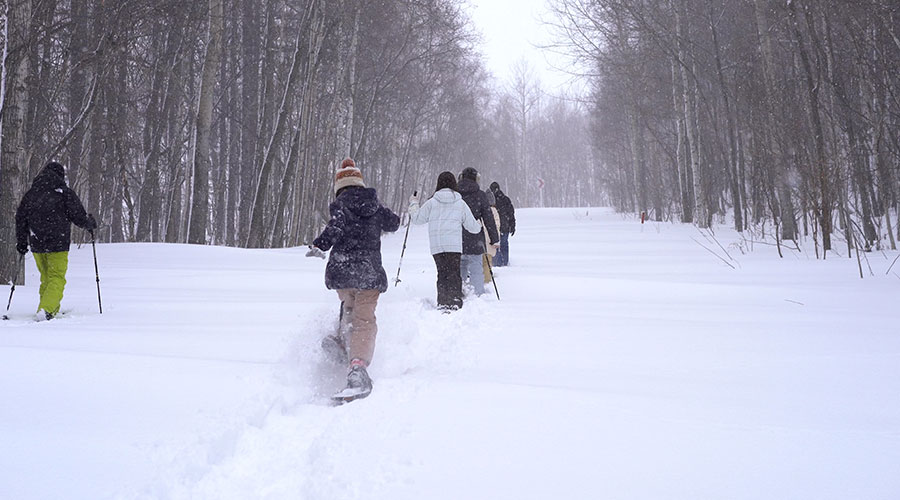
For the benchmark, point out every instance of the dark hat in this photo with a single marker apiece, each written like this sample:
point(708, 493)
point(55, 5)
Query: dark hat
point(469, 173)
point(348, 175)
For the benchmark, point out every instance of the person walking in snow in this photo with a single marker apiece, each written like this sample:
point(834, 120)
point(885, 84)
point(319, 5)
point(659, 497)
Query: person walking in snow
point(354, 270)
point(473, 244)
point(445, 212)
point(44, 220)
point(491, 249)
point(507, 224)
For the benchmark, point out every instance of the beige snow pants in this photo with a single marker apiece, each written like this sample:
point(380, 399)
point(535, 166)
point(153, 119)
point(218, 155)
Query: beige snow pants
point(359, 316)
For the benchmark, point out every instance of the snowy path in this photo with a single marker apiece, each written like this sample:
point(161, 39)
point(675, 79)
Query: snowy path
point(622, 362)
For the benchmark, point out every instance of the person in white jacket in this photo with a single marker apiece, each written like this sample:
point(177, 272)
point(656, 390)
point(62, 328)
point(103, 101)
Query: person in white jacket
point(445, 213)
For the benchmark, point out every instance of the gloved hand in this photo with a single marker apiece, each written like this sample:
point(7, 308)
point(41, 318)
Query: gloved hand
point(22, 248)
point(414, 198)
point(92, 223)
point(315, 252)
point(495, 245)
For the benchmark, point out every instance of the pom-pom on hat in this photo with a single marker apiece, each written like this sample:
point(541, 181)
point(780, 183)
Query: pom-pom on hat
point(347, 175)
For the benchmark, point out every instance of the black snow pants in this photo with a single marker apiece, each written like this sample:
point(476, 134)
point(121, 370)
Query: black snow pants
point(449, 282)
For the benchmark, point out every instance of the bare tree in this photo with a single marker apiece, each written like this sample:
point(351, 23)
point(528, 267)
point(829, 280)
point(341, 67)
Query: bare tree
point(13, 155)
point(200, 205)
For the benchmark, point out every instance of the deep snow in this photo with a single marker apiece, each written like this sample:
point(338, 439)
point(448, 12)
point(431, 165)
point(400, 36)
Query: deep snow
point(623, 361)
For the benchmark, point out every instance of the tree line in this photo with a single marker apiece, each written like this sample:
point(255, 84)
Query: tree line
point(222, 121)
point(778, 112)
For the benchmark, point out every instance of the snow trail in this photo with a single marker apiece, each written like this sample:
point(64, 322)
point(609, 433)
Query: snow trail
point(623, 361)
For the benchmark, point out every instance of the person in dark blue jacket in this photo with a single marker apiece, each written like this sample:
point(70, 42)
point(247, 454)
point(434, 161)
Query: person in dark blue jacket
point(355, 271)
point(474, 244)
point(44, 221)
point(507, 224)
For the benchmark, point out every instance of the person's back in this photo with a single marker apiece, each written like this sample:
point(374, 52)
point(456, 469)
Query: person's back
point(445, 212)
point(355, 271)
point(507, 223)
point(448, 216)
point(473, 244)
point(491, 249)
point(505, 208)
point(354, 237)
point(44, 221)
point(45, 216)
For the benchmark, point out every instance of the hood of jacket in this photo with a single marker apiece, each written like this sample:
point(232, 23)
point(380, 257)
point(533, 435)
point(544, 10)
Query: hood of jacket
point(447, 195)
point(467, 186)
point(51, 177)
point(359, 200)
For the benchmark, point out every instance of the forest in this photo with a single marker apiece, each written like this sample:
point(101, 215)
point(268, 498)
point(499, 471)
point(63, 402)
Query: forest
point(221, 122)
point(757, 113)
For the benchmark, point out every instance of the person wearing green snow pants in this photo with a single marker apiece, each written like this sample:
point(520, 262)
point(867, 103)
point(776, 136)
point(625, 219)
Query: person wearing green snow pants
point(53, 267)
point(44, 220)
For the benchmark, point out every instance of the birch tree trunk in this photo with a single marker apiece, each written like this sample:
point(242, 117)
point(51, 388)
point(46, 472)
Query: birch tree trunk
point(736, 198)
point(689, 86)
point(250, 68)
point(13, 155)
point(257, 229)
point(682, 154)
point(297, 163)
point(200, 196)
point(813, 83)
point(778, 170)
point(150, 203)
point(78, 87)
point(347, 85)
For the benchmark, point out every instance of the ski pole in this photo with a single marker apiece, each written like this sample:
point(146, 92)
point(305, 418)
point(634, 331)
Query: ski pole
point(12, 288)
point(403, 251)
point(96, 271)
point(490, 269)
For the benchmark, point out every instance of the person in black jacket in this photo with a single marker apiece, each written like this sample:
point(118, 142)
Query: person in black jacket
point(355, 271)
point(507, 224)
point(44, 219)
point(473, 243)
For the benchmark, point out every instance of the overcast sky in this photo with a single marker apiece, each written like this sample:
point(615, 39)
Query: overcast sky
point(513, 29)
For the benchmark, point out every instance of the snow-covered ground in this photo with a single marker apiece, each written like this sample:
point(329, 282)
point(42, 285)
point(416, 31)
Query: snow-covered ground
point(623, 362)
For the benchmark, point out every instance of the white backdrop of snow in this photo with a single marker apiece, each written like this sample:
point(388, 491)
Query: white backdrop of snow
point(623, 361)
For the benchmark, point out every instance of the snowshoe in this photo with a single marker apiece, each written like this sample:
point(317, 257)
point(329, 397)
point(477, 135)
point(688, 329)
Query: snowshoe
point(449, 308)
point(335, 349)
point(359, 385)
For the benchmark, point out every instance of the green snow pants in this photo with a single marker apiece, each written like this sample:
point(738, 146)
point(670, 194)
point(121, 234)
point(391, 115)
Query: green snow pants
point(53, 268)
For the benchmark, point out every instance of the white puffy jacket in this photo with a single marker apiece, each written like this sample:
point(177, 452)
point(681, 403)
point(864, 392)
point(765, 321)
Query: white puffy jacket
point(446, 213)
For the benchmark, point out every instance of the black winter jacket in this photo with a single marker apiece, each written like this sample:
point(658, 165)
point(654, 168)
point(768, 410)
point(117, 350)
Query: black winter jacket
point(506, 210)
point(473, 244)
point(47, 211)
point(354, 236)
